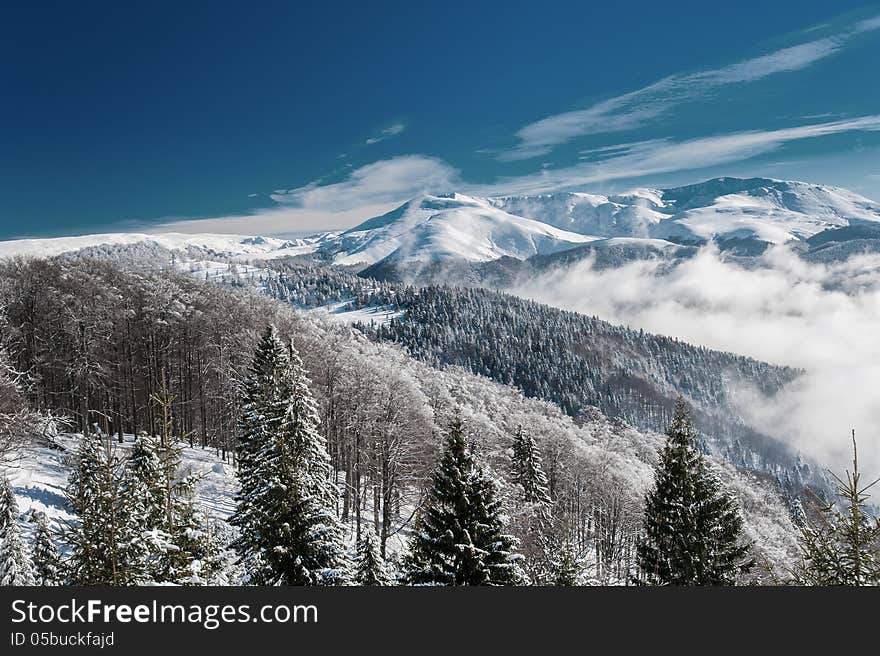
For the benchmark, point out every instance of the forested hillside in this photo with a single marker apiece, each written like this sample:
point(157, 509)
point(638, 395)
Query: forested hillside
point(114, 351)
point(578, 362)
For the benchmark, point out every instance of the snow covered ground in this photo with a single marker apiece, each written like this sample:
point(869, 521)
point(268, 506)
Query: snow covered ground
point(344, 313)
point(39, 479)
point(39, 476)
point(232, 246)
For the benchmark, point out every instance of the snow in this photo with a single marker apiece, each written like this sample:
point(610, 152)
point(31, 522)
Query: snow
point(775, 211)
point(601, 216)
point(344, 313)
point(233, 246)
point(39, 477)
point(456, 226)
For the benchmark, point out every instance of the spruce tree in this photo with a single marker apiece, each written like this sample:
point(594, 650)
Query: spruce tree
point(528, 472)
point(142, 492)
point(693, 529)
point(106, 540)
point(370, 569)
point(566, 568)
point(460, 538)
point(210, 568)
point(189, 534)
point(531, 512)
point(146, 475)
point(16, 567)
point(47, 561)
point(843, 547)
point(161, 495)
point(285, 506)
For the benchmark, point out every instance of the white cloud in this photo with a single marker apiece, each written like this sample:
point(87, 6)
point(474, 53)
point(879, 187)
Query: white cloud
point(384, 181)
point(665, 156)
point(867, 25)
point(637, 108)
point(822, 318)
point(391, 131)
point(283, 221)
point(367, 191)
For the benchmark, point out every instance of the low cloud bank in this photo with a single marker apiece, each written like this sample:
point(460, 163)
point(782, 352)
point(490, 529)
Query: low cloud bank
point(824, 318)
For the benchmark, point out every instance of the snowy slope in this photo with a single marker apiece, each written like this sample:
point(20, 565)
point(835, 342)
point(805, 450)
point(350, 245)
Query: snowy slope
point(771, 211)
point(233, 246)
point(39, 477)
point(457, 226)
point(629, 215)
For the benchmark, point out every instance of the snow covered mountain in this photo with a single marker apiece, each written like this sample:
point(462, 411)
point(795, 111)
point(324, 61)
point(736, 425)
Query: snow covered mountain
point(440, 227)
point(742, 214)
point(769, 211)
point(746, 214)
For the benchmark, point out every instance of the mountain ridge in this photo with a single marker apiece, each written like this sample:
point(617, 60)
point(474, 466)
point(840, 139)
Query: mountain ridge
point(745, 215)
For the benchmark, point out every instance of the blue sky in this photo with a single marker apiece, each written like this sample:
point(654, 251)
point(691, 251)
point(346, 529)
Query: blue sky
point(277, 118)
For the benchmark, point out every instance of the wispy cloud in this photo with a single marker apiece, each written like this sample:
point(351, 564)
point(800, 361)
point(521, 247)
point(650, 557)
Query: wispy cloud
point(380, 182)
point(391, 131)
point(368, 191)
point(658, 156)
point(867, 25)
point(286, 221)
point(640, 107)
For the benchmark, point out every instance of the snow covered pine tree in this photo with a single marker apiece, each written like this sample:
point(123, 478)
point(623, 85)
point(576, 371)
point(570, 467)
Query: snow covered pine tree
point(371, 569)
point(528, 472)
point(15, 562)
point(566, 566)
point(285, 507)
point(158, 494)
point(531, 515)
point(106, 541)
point(693, 529)
point(47, 560)
point(460, 537)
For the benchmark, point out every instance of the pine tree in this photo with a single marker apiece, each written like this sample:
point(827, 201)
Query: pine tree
point(161, 496)
point(106, 540)
point(213, 566)
point(285, 506)
point(844, 548)
point(146, 475)
point(181, 528)
point(531, 512)
point(693, 529)
point(142, 492)
point(189, 535)
point(16, 567)
point(528, 472)
point(460, 537)
point(566, 567)
point(370, 568)
point(47, 561)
